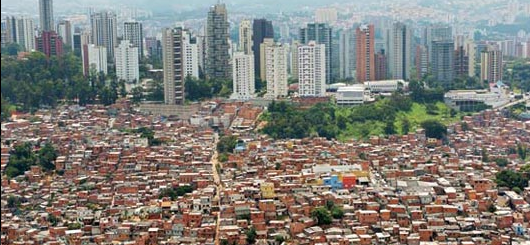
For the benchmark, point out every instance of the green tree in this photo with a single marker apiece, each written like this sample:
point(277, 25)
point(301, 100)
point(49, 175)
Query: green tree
point(155, 91)
point(337, 213)
point(389, 127)
point(74, 226)
point(137, 94)
point(11, 49)
point(226, 144)
point(13, 202)
point(465, 126)
point(405, 125)
point(330, 204)
point(485, 156)
point(511, 179)
point(502, 162)
point(492, 208)
point(521, 151)
point(46, 157)
point(175, 192)
point(251, 235)
point(525, 168)
point(223, 157)
point(21, 159)
point(322, 215)
point(434, 129)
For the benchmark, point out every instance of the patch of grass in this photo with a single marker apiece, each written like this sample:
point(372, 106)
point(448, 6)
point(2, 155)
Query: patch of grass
point(418, 114)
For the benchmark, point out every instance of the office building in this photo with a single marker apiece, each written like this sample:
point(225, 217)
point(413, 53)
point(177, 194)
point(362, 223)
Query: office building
point(442, 66)
point(245, 37)
point(436, 33)
point(21, 30)
point(294, 58)
point(399, 55)
point(243, 76)
point(261, 29)
point(79, 40)
point(133, 31)
point(365, 68)
point(104, 31)
point(5, 33)
point(491, 65)
point(64, 29)
point(172, 58)
point(321, 34)
point(217, 60)
point(352, 95)
point(267, 42)
point(461, 62)
point(190, 59)
point(46, 15)
point(422, 61)
point(127, 63)
point(153, 47)
point(276, 70)
point(312, 70)
point(346, 55)
point(471, 49)
point(380, 65)
point(94, 59)
point(49, 43)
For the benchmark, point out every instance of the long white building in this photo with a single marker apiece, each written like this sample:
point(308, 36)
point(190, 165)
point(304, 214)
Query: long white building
point(20, 30)
point(312, 70)
point(400, 57)
point(133, 32)
point(243, 76)
point(173, 71)
point(190, 59)
point(276, 71)
point(127, 62)
point(245, 37)
point(94, 59)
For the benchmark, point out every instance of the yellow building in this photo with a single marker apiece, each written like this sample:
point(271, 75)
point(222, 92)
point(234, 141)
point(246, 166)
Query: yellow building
point(267, 190)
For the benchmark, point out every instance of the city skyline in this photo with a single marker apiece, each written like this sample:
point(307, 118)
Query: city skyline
point(271, 122)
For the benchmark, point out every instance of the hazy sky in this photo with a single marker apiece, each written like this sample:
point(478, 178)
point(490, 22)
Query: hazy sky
point(30, 6)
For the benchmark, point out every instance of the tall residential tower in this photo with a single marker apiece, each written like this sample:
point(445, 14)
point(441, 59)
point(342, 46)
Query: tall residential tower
point(217, 43)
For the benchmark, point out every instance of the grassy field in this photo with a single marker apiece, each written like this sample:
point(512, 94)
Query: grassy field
point(418, 114)
point(415, 116)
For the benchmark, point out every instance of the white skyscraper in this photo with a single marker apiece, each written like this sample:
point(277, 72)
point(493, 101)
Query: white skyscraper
point(104, 31)
point(127, 62)
point(94, 59)
point(294, 59)
point(243, 76)
point(245, 36)
point(25, 33)
point(276, 70)
point(173, 71)
point(64, 29)
point(400, 57)
point(312, 70)
point(471, 50)
point(267, 42)
point(347, 56)
point(133, 32)
point(190, 59)
point(46, 15)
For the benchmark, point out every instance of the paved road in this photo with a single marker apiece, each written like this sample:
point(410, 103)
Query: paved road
point(513, 103)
